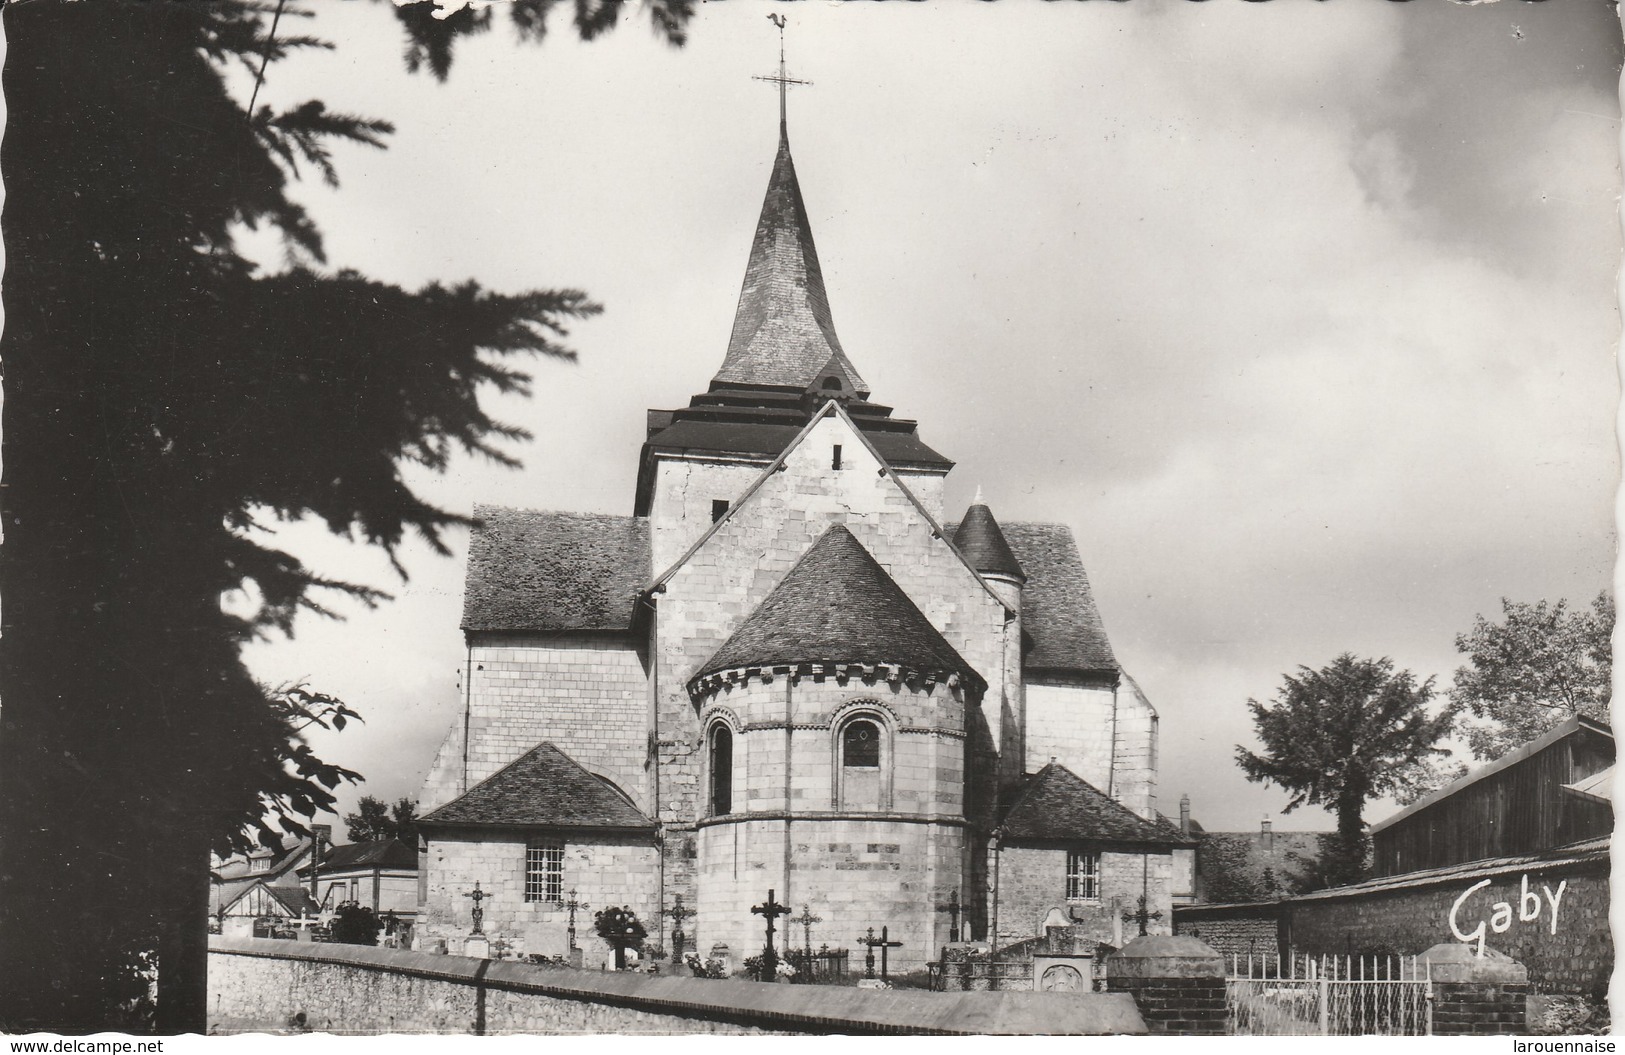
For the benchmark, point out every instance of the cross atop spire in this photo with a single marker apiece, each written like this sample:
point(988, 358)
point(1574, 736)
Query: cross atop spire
point(782, 79)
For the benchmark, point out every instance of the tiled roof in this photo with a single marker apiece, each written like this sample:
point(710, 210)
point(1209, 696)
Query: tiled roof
point(1586, 852)
point(978, 537)
point(296, 899)
point(1057, 608)
point(533, 570)
point(783, 333)
point(544, 788)
point(378, 853)
point(1055, 804)
point(838, 605)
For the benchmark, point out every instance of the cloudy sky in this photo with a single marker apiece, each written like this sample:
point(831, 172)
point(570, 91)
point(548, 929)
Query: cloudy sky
point(1302, 316)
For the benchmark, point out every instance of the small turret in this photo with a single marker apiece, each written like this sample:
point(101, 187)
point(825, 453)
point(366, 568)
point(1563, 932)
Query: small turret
point(984, 546)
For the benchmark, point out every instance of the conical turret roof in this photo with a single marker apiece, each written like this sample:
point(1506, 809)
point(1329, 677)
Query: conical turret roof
point(982, 541)
point(838, 605)
point(783, 334)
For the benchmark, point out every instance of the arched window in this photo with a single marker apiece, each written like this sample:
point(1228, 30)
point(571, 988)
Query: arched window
point(832, 384)
point(722, 769)
point(860, 746)
point(863, 763)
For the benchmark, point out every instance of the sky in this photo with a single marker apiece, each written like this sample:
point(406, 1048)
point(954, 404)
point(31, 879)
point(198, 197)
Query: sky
point(1302, 316)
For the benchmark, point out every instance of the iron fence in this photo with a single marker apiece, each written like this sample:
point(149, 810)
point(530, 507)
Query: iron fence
point(1372, 995)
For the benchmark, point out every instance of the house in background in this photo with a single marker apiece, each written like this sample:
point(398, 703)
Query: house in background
point(381, 874)
point(231, 878)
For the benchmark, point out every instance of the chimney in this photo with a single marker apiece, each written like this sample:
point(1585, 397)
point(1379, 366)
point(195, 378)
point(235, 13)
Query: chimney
point(1185, 814)
point(1267, 831)
point(319, 834)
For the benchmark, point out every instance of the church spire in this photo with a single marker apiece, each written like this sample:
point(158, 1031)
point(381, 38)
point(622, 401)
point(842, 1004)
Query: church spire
point(783, 334)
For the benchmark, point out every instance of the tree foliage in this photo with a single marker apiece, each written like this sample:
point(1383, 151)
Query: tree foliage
point(1540, 664)
point(376, 819)
point(354, 924)
point(162, 396)
point(621, 930)
point(1340, 736)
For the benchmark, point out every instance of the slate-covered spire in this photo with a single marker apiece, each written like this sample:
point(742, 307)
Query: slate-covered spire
point(983, 544)
point(783, 334)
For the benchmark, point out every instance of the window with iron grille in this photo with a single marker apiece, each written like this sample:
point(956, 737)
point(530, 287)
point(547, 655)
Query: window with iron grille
point(544, 872)
point(1082, 875)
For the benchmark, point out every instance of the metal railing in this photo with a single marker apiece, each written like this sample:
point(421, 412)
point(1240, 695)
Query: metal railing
point(1300, 995)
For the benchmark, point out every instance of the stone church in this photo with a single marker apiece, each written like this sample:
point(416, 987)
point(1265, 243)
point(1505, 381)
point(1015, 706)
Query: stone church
point(789, 669)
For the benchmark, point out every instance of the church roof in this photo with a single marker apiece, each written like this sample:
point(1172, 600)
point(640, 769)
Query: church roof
point(978, 537)
point(1055, 804)
point(838, 605)
point(543, 788)
point(1057, 607)
point(534, 570)
point(783, 333)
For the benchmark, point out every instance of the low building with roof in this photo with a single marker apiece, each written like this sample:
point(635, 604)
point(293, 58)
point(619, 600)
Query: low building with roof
point(789, 670)
point(381, 874)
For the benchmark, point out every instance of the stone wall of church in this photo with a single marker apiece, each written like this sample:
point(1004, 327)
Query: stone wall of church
point(786, 742)
point(1069, 720)
point(727, 577)
point(604, 871)
point(1032, 881)
point(680, 506)
point(587, 693)
point(854, 873)
point(1134, 769)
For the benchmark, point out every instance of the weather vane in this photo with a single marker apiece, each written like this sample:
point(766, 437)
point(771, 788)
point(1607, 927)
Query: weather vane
point(782, 79)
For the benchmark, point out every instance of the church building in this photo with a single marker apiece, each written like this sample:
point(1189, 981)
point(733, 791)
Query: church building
point(789, 669)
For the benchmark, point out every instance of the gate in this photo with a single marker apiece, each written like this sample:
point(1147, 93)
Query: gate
point(1381, 995)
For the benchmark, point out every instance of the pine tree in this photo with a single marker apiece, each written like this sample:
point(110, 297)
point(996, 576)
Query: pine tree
point(1340, 736)
point(161, 396)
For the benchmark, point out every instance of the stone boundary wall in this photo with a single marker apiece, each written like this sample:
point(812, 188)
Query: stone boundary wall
point(1579, 958)
point(1240, 930)
point(264, 985)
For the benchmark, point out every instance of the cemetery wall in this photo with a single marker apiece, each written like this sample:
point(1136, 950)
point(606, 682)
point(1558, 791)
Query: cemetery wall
point(260, 985)
point(1233, 930)
point(1576, 954)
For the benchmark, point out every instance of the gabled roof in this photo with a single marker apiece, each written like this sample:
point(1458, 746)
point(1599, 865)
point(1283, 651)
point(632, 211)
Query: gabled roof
point(783, 333)
point(838, 605)
point(1057, 805)
point(544, 788)
point(1057, 607)
point(1571, 726)
point(295, 900)
point(534, 570)
point(377, 853)
point(831, 408)
point(983, 544)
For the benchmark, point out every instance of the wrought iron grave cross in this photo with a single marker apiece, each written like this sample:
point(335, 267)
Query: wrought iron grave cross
point(883, 943)
point(477, 895)
point(1141, 916)
point(770, 910)
point(678, 939)
point(806, 919)
point(572, 904)
point(953, 909)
